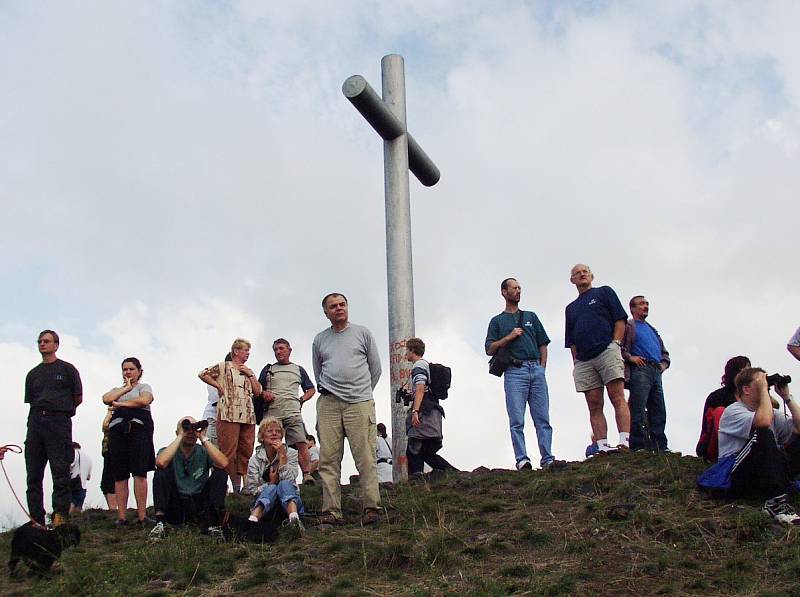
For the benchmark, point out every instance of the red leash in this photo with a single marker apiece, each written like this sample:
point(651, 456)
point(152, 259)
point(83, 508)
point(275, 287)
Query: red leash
point(15, 449)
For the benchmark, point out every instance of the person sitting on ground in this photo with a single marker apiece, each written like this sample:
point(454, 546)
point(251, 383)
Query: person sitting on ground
point(313, 456)
point(183, 490)
point(715, 405)
point(271, 474)
point(761, 443)
point(424, 420)
point(383, 452)
point(80, 471)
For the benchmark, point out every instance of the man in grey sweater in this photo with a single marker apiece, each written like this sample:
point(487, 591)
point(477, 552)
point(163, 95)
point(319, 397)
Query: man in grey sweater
point(347, 368)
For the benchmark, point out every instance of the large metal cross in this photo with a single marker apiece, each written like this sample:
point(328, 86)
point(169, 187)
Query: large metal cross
point(400, 152)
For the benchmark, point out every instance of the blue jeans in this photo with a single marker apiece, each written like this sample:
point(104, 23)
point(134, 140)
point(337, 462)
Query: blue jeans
point(648, 412)
point(284, 491)
point(526, 385)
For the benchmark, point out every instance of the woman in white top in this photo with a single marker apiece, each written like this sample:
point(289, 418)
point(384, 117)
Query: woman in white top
point(130, 438)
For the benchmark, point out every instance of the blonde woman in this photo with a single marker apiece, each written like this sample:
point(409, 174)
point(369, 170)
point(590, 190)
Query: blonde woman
point(271, 474)
point(236, 419)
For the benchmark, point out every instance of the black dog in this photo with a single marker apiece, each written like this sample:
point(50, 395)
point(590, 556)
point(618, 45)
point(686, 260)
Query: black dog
point(237, 528)
point(39, 547)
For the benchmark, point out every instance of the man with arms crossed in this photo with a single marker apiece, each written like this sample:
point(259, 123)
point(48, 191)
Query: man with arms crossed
point(53, 389)
point(347, 368)
point(645, 360)
point(594, 330)
point(281, 381)
point(524, 381)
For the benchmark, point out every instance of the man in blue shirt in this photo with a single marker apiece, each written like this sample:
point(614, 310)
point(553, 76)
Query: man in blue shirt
point(524, 381)
point(645, 360)
point(595, 324)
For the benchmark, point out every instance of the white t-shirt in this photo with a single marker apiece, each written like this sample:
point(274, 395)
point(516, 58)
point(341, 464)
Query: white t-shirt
point(211, 406)
point(736, 424)
point(81, 466)
point(795, 340)
point(313, 453)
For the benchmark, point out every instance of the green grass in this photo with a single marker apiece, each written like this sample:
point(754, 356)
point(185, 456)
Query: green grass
point(490, 533)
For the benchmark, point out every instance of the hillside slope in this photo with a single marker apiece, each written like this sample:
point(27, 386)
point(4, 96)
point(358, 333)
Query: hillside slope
point(615, 525)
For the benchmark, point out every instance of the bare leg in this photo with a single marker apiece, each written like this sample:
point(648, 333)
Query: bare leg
point(140, 493)
point(257, 512)
point(111, 502)
point(594, 400)
point(121, 491)
point(616, 395)
point(302, 456)
point(291, 507)
point(236, 482)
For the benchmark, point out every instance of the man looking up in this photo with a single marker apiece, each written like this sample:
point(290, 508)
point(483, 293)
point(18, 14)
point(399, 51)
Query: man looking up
point(53, 389)
point(281, 381)
point(524, 381)
point(645, 360)
point(753, 431)
point(347, 368)
point(595, 324)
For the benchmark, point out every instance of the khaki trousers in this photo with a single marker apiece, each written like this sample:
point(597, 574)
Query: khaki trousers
point(236, 441)
point(337, 419)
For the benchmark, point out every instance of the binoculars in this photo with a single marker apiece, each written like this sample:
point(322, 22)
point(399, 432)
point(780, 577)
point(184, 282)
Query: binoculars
point(198, 426)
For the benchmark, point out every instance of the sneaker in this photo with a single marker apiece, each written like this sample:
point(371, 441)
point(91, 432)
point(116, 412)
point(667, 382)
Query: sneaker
point(524, 465)
point(623, 448)
point(157, 533)
point(370, 516)
point(295, 523)
point(781, 511)
point(58, 519)
point(308, 479)
point(215, 532)
point(120, 522)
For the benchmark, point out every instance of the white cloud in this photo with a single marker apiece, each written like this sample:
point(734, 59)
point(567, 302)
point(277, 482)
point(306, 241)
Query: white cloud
point(173, 177)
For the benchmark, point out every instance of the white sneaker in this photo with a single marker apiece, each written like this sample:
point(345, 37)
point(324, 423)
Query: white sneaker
point(157, 533)
point(781, 511)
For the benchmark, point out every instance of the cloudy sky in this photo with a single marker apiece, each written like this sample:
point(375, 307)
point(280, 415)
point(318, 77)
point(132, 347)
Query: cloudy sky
point(174, 175)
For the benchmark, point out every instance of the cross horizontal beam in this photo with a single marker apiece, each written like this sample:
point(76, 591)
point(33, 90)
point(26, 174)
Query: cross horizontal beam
point(377, 113)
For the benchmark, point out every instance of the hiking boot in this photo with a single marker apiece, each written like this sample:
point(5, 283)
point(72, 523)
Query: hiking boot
point(554, 465)
point(524, 465)
point(781, 511)
point(308, 479)
point(157, 533)
point(330, 519)
point(370, 516)
point(58, 519)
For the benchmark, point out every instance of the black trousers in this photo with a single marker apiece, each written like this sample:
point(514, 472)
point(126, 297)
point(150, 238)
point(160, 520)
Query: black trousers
point(203, 509)
point(49, 439)
point(763, 469)
point(422, 451)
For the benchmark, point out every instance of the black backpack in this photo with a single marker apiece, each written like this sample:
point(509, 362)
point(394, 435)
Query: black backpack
point(439, 382)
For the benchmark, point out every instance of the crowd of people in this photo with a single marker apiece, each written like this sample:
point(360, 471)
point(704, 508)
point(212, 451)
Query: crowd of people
point(611, 352)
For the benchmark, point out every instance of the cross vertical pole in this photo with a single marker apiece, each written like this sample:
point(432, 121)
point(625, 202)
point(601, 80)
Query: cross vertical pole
point(400, 281)
point(401, 152)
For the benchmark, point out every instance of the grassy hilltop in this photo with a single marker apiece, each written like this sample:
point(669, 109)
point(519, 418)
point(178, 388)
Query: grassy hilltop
point(616, 525)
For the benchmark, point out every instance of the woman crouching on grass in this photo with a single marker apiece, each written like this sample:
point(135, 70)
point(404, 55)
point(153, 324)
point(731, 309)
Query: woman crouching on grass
point(272, 473)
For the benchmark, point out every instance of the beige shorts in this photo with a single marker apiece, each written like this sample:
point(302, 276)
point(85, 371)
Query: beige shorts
point(294, 431)
point(599, 371)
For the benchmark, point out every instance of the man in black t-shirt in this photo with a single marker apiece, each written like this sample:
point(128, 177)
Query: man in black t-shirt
point(53, 389)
